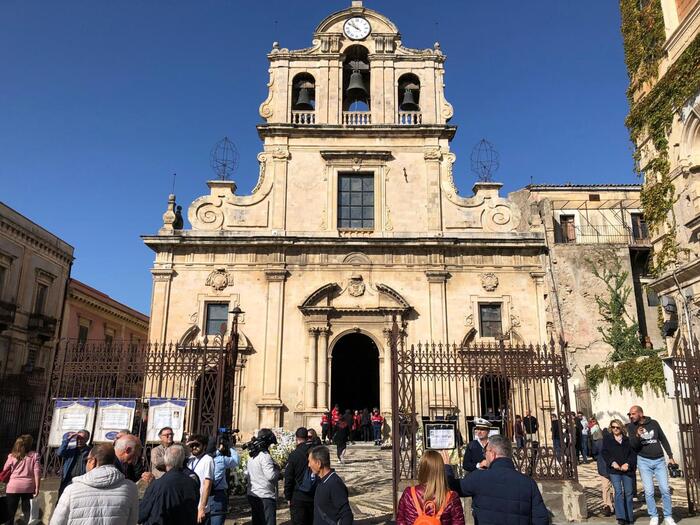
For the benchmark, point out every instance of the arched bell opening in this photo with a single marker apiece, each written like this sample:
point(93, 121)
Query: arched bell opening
point(356, 79)
point(303, 92)
point(409, 92)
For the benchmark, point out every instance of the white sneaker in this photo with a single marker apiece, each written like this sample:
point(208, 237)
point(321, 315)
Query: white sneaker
point(654, 521)
point(668, 520)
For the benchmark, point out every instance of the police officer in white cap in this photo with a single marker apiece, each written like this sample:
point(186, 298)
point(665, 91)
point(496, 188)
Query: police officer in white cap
point(474, 457)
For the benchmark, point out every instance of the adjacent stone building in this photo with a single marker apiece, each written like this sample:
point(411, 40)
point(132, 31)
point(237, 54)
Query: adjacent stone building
point(34, 268)
point(91, 315)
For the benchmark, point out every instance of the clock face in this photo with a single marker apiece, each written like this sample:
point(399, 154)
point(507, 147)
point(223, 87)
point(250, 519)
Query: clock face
point(357, 28)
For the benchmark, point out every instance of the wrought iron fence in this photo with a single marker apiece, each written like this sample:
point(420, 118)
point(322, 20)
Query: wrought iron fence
point(685, 362)
point(201, 374)
point(521, 389)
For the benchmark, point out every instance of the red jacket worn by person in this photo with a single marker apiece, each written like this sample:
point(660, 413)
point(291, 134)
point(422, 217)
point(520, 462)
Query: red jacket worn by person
point(407, 512)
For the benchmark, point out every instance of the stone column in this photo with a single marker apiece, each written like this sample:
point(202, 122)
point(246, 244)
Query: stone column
point(322, 386)
point(437, 293)
point(385, 394)
point(310, 401)
point(270, 404)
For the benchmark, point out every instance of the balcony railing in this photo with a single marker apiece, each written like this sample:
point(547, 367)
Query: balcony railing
point(303, 118)
point(42, 326)
point(410, 118)
point(357, 118)
point(7, 314)
point(603, 234)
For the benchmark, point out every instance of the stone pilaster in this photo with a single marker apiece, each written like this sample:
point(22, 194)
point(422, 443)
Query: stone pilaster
point(433, 158)
point(437, 293)
point(270, 404)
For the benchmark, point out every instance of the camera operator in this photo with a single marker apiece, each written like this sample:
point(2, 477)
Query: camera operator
point(225, 458)
point(299, 481)
point(263, 474)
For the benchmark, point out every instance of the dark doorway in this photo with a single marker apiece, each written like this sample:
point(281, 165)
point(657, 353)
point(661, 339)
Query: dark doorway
point(493, 392)
point(355, 373)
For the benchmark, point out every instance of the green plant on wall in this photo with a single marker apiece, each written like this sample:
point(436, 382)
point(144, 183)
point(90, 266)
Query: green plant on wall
point(632, 374)
point(619, 329)
point(652, 114)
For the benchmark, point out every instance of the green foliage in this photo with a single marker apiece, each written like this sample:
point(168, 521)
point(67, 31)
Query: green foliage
point(652, 115)
point(619, 330)
point(632, 374)
point(644, 36)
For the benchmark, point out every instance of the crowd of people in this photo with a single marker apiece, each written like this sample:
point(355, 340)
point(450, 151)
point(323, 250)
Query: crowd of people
point(187, 483)
point(357, 425)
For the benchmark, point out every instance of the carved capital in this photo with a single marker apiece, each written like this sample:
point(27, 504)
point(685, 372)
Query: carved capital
point(280, 153)
point(437, 276)
point(162, 275)
point(433, 154)
point(276, 275)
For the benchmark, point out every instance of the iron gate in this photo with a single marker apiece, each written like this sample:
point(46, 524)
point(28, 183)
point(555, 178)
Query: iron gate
point(502, 382)
point(202, 374)
point(685, 362)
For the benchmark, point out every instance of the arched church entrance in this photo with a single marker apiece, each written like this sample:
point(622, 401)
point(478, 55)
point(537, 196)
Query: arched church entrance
point(355, 373)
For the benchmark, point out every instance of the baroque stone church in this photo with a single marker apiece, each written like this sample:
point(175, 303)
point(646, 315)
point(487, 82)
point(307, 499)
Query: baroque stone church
point(355, 220)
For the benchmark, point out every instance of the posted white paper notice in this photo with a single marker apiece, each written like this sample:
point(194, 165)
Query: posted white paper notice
point(72, 421)
point(442, 438)
point(115, 418)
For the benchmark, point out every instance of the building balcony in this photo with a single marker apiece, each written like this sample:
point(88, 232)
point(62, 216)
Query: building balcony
point(602, 234)
point(7, 314)
point(303, 118)
point(42, 327)
point(410, 118)
point(357, 118)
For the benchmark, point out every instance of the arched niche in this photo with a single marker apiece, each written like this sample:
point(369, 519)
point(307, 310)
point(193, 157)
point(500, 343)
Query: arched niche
point(356, 79)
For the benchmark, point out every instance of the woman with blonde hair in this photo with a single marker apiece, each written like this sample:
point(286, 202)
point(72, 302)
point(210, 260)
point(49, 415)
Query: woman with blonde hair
point(621, 460)
point(431, 496)
point(25, 476)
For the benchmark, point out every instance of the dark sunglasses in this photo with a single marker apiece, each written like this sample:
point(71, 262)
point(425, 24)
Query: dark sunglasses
point(196, 445)
point(616, 427)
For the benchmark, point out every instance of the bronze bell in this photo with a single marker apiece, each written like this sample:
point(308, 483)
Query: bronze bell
point(409, 103)
point(304, 100)
point(356, 87)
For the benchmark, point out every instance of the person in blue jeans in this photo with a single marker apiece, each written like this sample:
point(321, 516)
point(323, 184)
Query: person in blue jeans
point(649, 441)
point(377, 422)
point(225, 458)
point(621, 462)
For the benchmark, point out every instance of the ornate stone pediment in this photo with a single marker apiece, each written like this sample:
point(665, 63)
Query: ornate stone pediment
point(355, 296)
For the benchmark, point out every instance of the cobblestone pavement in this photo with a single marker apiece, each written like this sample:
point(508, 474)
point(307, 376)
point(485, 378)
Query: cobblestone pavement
point(367, 474)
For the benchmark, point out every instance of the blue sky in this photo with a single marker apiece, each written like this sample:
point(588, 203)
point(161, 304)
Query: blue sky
point(101, 101)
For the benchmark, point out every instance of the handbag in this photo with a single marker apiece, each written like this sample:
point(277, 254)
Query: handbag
point(5, 475)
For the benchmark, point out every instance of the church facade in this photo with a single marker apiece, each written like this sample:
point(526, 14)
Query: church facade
point(355, 221)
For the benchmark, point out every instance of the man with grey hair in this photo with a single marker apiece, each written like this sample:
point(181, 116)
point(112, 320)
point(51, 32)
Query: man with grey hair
point(500, 494)
point(128, 449)
point(171, 499)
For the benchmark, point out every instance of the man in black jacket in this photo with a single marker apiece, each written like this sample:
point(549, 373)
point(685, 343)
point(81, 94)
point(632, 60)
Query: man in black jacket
point(648, 439)
point(298, 487)
point(531, 425)
point(171, 499)
point(500, 494)
point(474, 457)
point(331, 505)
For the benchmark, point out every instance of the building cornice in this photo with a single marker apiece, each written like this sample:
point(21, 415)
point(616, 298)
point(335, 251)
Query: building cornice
point(25, 237)
point(133, 317)
point(374, 130)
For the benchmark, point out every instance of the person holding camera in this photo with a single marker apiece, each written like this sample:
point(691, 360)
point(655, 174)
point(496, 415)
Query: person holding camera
point(225, 458)
point(649, 440)
point(263, 475)
point(201, 464)
point(299, 481)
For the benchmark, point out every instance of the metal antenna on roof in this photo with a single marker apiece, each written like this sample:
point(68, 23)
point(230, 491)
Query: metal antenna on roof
point(174, 175)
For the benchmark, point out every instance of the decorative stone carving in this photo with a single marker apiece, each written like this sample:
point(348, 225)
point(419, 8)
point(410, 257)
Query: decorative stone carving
point(356, 287)
point(266, 107)
point(262, 159)
point(469, 320)
point(489, 281)
point(281, 153)
point(514, 318)
point(219, 279)
point(169, 216)
point(433, 154)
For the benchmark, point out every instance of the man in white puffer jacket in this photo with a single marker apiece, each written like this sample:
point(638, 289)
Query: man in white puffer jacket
point(103, 496)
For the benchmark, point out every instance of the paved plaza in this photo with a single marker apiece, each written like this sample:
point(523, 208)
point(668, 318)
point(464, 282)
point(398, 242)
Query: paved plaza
point(367, 473)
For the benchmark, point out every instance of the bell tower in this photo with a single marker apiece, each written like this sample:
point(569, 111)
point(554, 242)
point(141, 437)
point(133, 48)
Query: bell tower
point(359, 74)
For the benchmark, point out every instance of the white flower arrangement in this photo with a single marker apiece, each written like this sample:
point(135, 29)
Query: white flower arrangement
point(280, 452)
